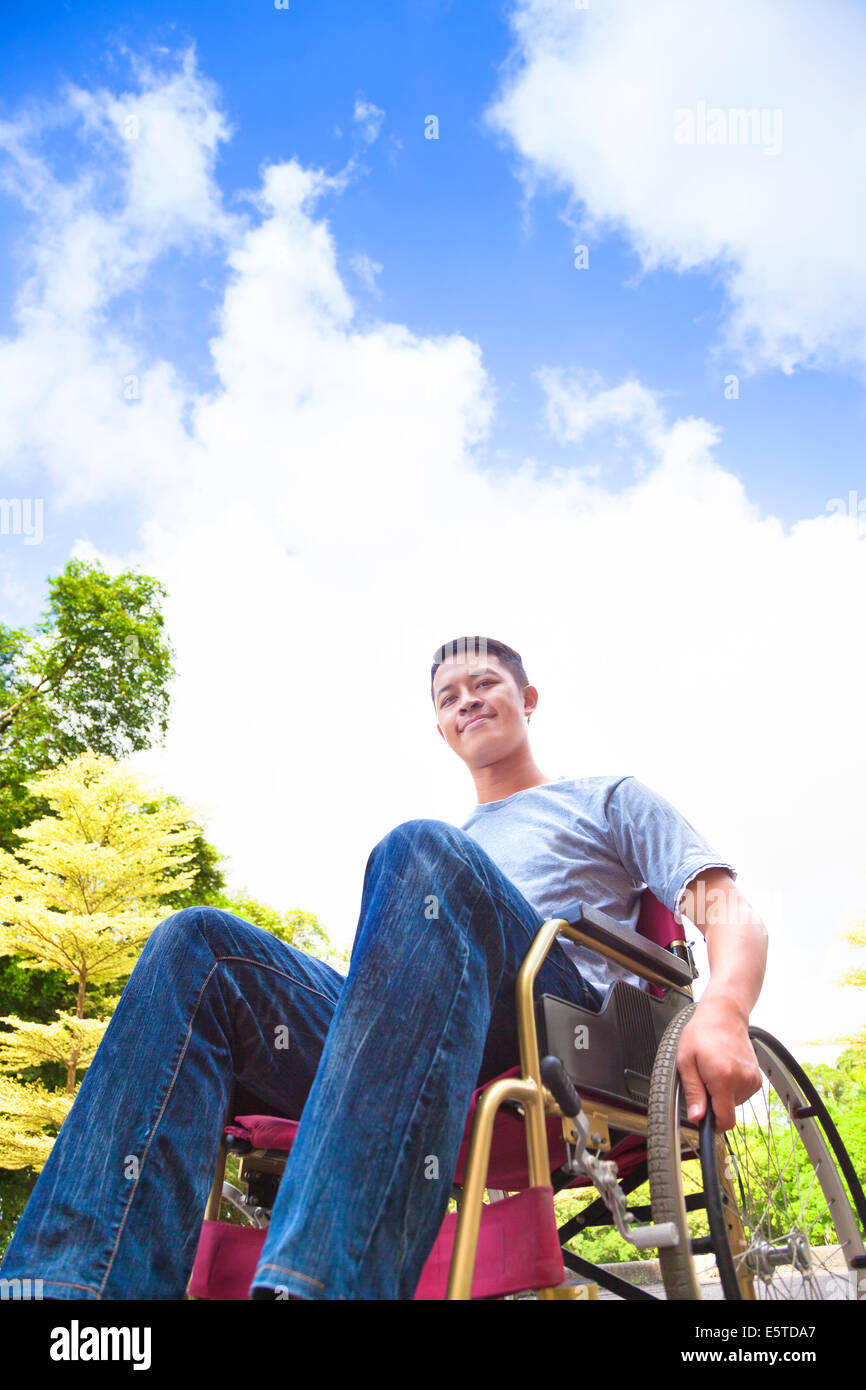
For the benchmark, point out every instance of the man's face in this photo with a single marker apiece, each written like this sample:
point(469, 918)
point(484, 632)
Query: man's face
point(480, 712)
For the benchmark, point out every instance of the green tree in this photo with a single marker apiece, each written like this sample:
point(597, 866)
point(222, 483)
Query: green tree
point(81, 896)
point(856, 976)
point(93, 674)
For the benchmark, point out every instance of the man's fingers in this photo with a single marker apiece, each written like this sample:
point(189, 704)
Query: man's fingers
point(718, 1067)
point(693, 1087)
point(723, 1109)
point(751, 1084)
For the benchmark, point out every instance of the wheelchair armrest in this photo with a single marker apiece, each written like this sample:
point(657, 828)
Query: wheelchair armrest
point(606, 934)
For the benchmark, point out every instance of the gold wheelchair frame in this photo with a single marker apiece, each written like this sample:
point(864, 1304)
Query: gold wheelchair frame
point(672, 969)
point(537, 1100)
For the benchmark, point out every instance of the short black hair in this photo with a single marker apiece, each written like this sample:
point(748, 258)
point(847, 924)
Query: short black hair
point(480, 647)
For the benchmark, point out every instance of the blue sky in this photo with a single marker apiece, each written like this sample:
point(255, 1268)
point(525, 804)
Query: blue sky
point(445, 221)
point(380, 411)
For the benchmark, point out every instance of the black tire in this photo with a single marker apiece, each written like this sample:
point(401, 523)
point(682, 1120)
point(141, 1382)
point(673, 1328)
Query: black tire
point(665, 1164)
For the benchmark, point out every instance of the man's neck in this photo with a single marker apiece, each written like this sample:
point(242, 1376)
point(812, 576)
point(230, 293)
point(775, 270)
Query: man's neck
point(515, 773)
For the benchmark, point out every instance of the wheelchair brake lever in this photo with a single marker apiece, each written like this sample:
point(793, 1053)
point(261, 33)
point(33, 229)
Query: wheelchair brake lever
point(558, 1083)
point(602, 1173)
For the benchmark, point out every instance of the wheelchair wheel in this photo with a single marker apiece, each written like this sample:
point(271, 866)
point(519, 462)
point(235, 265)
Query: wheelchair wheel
point(781, 1211)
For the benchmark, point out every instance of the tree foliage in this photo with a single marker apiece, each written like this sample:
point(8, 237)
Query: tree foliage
point(93, 674)
point(80, 897)
point(856, 976)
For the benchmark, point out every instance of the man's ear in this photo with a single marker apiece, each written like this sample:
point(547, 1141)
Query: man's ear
point(439, 727)
point(530, 699)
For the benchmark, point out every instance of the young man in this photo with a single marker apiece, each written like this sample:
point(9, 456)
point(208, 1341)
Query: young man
point(382, 1063)
point(599, 840)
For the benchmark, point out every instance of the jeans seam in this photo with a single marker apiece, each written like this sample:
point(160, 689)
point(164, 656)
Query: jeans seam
point(218, 960)
point(65, 1284)
point(283, 1269)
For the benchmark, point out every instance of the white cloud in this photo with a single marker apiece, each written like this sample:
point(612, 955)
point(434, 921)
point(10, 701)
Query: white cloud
point(576, 406)
point(154, 151)
point(325, 520)
point(144, 185)
point(15, 596)
point(593, 102)
point(369, 117)
point(366, 270)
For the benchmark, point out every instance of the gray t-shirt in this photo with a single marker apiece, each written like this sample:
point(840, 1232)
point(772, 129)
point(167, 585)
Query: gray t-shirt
point(597, 840)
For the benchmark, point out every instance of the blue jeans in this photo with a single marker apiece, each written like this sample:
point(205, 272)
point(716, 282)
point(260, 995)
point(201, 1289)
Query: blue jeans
point(382, 1063)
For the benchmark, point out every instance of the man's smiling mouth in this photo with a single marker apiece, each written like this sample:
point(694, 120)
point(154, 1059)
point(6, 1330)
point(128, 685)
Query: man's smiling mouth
point(480, 719)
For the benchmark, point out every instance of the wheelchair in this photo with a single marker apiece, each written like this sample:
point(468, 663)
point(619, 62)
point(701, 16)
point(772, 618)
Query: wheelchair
point(772, 1209)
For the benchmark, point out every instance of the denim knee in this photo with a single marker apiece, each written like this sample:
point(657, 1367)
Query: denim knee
point(424, 834)
point(188, 923)
point(438, 852)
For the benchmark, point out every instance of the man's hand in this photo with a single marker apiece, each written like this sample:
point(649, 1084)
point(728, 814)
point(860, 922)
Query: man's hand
point(715, 1055)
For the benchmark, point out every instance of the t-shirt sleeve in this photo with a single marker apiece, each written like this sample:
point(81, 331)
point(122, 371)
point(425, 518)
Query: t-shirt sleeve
point(656, 844)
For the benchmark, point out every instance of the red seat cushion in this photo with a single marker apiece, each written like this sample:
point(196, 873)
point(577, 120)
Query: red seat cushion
point(264, 1131)
point(508, 1166)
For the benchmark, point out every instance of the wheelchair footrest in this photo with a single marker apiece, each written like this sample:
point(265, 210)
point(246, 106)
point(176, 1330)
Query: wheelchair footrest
point(518, 1250)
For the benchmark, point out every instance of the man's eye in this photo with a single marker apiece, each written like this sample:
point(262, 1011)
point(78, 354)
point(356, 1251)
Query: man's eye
point(448, 698)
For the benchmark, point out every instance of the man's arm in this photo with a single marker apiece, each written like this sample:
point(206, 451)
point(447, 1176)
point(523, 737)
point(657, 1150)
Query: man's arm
point(715, 1054)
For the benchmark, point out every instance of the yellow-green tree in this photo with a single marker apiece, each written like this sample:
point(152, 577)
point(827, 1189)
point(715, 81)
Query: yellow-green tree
point(857, 975)
point(81, 895)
